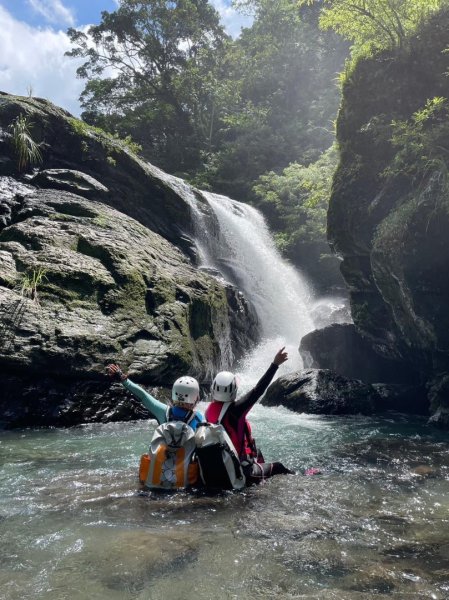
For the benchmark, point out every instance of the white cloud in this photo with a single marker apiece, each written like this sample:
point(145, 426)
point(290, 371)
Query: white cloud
point(53, 11)
point(31, 57)
point(231, 20)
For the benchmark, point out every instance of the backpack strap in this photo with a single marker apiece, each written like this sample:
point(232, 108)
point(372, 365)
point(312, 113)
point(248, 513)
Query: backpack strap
point(187, 419)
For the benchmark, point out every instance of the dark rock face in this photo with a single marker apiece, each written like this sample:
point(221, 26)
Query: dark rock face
point(319, 265)
point(319, 391)
point(341, 349)
point(403, 398)
point(41, 401)
point(392, 232)
point(87, 279)
point(70, 147)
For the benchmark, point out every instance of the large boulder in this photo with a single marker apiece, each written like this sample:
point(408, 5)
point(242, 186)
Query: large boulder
point(98, 263)
point(390, 228)
point(320, 391)
point(73, 152)
point(340, 348)
point(82, 285)
point(403, 398)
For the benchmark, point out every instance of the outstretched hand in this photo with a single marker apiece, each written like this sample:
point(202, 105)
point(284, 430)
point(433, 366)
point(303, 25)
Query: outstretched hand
point(280, 357)
point(115, 372)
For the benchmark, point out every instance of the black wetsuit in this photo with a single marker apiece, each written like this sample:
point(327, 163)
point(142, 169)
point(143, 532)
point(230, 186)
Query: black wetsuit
point(238, 429)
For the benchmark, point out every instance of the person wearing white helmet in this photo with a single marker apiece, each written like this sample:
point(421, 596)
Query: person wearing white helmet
point(231, 412)
point(185, 396)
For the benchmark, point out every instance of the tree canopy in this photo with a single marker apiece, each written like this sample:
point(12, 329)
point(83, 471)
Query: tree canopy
point(218, 111)
point(374, 24)
point(150, 65)
point(296, 200)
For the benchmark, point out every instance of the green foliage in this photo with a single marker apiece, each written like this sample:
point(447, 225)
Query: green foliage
point(373, 25)
point(422, 143)
point(284, 99)
point(85, 130)
point(201, 105)
point(164, 58)
point(28, 286)
point(296, 201)
point(27, 151)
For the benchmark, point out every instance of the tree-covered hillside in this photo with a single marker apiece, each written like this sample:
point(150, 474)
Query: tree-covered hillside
point(250, 117)
point(218, 111)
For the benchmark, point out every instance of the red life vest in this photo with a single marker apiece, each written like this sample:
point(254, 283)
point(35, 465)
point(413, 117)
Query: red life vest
point(238, 429)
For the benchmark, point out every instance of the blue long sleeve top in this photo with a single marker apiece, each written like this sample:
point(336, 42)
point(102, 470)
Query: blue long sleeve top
point(158, 409)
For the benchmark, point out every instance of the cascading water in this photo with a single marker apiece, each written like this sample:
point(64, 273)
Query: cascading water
point(243, 250)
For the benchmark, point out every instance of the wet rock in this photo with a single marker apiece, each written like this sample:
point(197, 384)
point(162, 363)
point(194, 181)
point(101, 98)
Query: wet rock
point(400, 397)
point(69, 180)
point(391, 231)
point(340, 348)
point(129, 560)
point(329, 310)
point(320, 391)
point(424, 471)
point(373, 579)
point(438, 393)
point(82, 285)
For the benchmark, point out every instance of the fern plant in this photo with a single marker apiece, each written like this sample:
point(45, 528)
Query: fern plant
point(28, 152)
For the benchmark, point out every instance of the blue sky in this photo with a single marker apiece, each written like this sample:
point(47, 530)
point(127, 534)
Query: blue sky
point(33, 41)
point(58, 13)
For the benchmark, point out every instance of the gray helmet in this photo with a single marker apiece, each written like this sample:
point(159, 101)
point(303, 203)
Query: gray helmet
point(224, 387)
point(186, 390)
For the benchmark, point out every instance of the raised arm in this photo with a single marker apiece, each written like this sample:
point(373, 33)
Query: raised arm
point(157, 409)
point(244, 404)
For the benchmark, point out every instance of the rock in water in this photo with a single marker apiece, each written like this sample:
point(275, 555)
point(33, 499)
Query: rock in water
point(321, 391)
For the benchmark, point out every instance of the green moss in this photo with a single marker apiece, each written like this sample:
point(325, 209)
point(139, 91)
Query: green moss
point(112, 143)
point(200, 318)
point(128, 297)
point(102, 222)
point(206, 348)
point(363, 315)
point(86, 247)
point(163, 291)
point(390, 230)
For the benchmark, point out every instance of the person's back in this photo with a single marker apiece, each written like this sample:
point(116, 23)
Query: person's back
point(231, 412)
point(170, 462)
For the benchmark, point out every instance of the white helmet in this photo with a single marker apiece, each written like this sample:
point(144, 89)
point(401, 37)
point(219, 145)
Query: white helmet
point(224, 387)
point(186, 390)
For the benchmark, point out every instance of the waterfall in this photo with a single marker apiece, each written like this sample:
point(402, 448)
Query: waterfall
point(243, 250)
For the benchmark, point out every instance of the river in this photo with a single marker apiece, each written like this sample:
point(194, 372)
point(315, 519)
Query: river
point(373, 524)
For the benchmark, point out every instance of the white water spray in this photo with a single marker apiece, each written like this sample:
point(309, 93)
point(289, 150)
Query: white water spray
point(244, 251)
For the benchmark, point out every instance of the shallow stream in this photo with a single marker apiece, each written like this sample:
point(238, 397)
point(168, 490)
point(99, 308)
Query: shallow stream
point(373, 524)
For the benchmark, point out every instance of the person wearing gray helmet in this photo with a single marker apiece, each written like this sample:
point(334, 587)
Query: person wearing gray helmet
point(185, 396)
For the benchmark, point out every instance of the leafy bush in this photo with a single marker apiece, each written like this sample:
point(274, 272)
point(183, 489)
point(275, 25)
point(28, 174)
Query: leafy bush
point(422, 142)
point(27, 151)
point(296, 201)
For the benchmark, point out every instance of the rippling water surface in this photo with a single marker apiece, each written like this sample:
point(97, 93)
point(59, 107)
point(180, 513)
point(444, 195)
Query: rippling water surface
point(374, 524)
